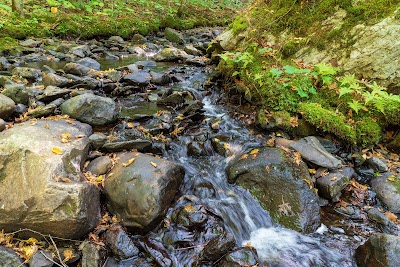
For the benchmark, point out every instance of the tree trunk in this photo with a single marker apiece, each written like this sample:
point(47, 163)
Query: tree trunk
point(18, 6)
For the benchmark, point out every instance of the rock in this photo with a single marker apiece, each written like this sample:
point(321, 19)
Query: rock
point(116, 39)
point(120, 244)
point(240, 257)
point(141, 192)
point(42, 111)
point(388, 192)
point(171, 54)
point(80, 51)
point(331, 185)
point(146, 63)
point(159, 78)
point(218, 246)
point(8, 258)
point(191, 50)
point(138, 39)
point(226, 41)
point(193, 217)
point(92, 109)
point(219, 144)
point(7, 106)
point(41, 186)
point(157, 251)
point(134, 262)
point(27, 73)
point(41, 259)
point(280, 185)
point(100, 165)
point(312, 150)
point(30, 43)
point(394, 144)
point(196, 149)
point(141, 78)
point(173, 36)
point(52, 92)
point(90, 255)
point(97, 140)
point(54, 80)
point(173, 99)
point(76, 69)
point(90, 63)
point(2, 125)
point(17, 92)
point(377, 164)
point(380, 250)
point(140, 145)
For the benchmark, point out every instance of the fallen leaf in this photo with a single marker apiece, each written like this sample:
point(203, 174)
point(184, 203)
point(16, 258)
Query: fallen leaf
point(333, 178)
point(391, 216)
point(392, 178)
point(47, 126)
point(267, 168)
point(65, 180)
point(65, 138)
point(297, 158)
point(244, 156)
point(153, 164)
point(129, 162)
point(68, 254)
point(312, 171)
point(53, 10)
point(189, 208)
point(308, 182)
point(33, 122)
point(57, 150)
point(254, 151)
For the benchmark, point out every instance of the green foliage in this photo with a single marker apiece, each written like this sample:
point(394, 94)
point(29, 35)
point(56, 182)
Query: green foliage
point(368, 132)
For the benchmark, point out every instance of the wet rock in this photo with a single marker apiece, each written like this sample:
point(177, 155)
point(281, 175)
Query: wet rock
point(191, 50)
point(388, 192)
point(2, 125)
point(173, 99)
point(159, 78)
point(7, 106)
point(90, 255)
point(92, 109)
point(116, 39)
point(76, 69)
point(97, 140)
point(42, 180)
point(380, 250)
point(27, 73)
point(197, 61)
point(377, 164)
point(80, 50)
point(21, 108)
point(141, 78)
point(54, 80)
point(42, 111)
point(120, 244)
point(312, 150)
point(240, 257)
point(218, 246)
point(173, 36)
point(17, 92)
point(383, 221)
point(178, 236)
point(192, 216)
point(171, 54)
point(141, 192)
point(157, 250)
point(145, 64)
point(41, 259)
point(52, 92)
point(90, 63)
point(331, 185)
point(196, 149)
point(279, 184)
point(220, 144)
point(140, 145)
point(138, 39)
point(365, 174)
point(100, 165)
point(135, 262)
point(9, 258)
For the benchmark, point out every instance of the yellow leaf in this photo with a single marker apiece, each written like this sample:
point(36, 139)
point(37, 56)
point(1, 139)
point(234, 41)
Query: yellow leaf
point(308, 182)
point(100, 178)
point(297, 158)
point(248, 245)
point(29, 251)
point(130, 124)
point(333, 178)
point(189, 208)
point(226, 146)
point(129, 162)
point(31, 240)
point(153, 164)
point(391, 178)
point(254, 151)
point(180, 117)
point(312, 171)
point(65, 179)
point(57, 151)
point(68, 254)
point(244, 156)
point(53, 10)
point(65, 138)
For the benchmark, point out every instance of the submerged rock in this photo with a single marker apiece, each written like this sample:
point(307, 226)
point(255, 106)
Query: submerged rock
point(380, 250)
point(141, 189)
point(89, 108)
point(41, 177)
point(240, 257)
point(281, 185)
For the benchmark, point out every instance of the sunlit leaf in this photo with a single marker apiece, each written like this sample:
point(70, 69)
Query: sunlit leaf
point(57, 150)
point(153, 164)
point(129, 162)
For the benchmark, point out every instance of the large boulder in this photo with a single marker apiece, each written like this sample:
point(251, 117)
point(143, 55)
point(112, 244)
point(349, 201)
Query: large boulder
point(7, 106)
point(41, 185)
point(141, 188)
point(89, 108)
point(174, 36)
point(387, 191)
point(171, 54)
point(27, 73)
point(380, 250)
point(281, 184)
point(54, 80)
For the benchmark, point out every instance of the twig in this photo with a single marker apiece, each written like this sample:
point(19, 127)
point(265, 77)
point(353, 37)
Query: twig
point(58, 252)
point(50, 259)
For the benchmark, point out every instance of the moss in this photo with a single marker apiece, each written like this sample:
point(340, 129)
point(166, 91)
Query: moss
point(7, 43)
point(392, 111)
point(328, 121)
point(368, 132)
point(239, 24)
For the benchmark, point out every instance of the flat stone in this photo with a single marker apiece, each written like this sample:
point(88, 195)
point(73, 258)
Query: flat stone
point(331, 185)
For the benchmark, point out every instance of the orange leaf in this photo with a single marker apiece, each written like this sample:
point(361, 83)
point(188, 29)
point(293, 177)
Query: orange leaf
point(391, 216)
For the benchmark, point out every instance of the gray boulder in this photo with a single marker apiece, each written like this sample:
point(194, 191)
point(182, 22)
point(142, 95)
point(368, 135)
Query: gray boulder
point(141, 78)
point(387, 191)
point(80, 51)
point(90, 63)
point(76, 69)
point(52, 93)
point(54, 80)
point(17, 92)
point(41, 184)
point(7, 106)
point(27, 73)
point(89, 108)
point(142, 188)
point(100, 165)
point(120, 243)
point(311, 150)
point(281, 185)
point(116, 39)
point(331, 185)
point(171, 54)
point(380, 250)
point(9, 258)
